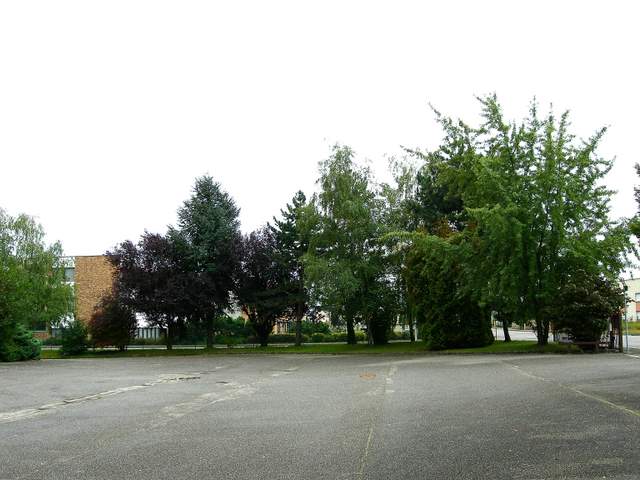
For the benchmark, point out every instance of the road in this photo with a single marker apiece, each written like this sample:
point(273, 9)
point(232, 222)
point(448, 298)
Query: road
point(329, 417)
point(634, 340)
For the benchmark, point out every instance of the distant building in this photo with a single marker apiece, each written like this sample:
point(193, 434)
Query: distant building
point(633, 298)
point(91, 277)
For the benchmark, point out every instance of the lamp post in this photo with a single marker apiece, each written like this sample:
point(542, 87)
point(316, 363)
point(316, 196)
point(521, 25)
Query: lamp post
point(626, 323)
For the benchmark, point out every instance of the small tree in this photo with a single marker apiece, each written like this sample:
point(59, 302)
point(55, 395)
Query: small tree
point(112, 323)
point(262, 283)
point(73, 338)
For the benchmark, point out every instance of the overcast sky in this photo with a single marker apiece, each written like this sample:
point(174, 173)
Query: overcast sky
point(109, 110)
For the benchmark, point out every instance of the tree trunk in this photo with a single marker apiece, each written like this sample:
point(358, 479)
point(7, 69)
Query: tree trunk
point(505, 326)
point(298, 332)
point(545, 333)
point(351, 333)
point(505, 330)
point(264, 340)
point(209, 326)
point(169, 338)
point(299, 316)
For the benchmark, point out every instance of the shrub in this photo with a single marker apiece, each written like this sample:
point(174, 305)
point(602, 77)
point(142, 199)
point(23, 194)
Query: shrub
point(19, 346)
point(584, 306)
point(51, 341)
point(318, 337)
point(309, 328)
point(342, 337)
point(73, 339)
point(279, 338)
point(112, 324)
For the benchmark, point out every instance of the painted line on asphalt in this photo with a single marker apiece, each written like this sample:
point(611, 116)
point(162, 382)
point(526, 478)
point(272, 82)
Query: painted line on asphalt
point(634, 356)
point(591, 396)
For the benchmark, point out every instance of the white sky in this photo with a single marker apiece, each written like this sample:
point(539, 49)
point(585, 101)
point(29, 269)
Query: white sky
point(109, 110)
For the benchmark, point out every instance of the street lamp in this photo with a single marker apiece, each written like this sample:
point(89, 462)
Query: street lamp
point(626, 323)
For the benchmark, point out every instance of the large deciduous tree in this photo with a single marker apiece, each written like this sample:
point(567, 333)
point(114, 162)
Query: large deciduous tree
point(262, 282)
point(345, 265)
point(151, 279)
point(32, 287)
point(208, 233)
point(533, 207)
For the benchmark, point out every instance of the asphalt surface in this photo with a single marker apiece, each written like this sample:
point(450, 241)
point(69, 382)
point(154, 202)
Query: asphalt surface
point(329, 417)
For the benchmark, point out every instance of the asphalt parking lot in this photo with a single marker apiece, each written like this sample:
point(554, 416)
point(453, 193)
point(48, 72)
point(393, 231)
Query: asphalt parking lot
point(305, 416)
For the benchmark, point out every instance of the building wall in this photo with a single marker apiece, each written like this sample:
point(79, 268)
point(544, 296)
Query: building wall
point(93, 279)
point(633, 297)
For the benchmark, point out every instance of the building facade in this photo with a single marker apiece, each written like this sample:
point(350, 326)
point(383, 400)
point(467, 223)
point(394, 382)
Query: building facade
point(633, 299)
point(92, 278)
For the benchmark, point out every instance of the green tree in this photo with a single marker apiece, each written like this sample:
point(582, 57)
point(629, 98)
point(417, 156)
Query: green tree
point(32, 287)
point(436, 278)
point(345, 265)
point(535, 207)
point(209, 235)
point(292, 234)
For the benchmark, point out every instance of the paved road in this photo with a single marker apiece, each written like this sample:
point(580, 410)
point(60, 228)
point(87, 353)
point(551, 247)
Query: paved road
point(634, 340)
point(307, 417)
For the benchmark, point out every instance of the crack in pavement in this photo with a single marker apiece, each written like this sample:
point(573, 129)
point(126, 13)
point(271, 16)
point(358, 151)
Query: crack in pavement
point(16, 415)
point(380, 390)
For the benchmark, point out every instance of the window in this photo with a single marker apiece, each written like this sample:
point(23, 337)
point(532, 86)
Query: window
point(637, 296)
point(69, 274)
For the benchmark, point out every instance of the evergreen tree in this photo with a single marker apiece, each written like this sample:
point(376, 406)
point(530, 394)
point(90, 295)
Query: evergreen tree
point(208, 235)
point(292, 235)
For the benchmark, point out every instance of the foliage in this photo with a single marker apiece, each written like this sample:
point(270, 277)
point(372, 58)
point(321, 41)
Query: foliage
point(32, 287)
point(532, 207)
point(318, 337)
point(261, 282)
point(309, 328)
point(151, 279)
point(73, 338)
point(112, 323)
point(208, 237)
point(585, 305)
point(292, 235)
point(21, 346)
point(345, 266)
point(446, 313)
point(233, 327)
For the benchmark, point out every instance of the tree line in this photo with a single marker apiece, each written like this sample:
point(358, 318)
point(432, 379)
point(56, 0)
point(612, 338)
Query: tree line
point(505, 220)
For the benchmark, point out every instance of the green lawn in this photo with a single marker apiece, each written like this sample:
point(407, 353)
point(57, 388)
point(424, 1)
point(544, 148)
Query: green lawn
point(634, 328)
point(393, 348)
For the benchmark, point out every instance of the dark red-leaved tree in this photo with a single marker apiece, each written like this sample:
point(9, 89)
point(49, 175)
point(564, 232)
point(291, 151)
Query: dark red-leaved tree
point(112, 323)
point(151, 279)
point(262, 282)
